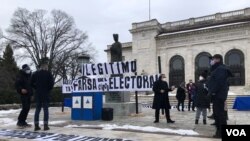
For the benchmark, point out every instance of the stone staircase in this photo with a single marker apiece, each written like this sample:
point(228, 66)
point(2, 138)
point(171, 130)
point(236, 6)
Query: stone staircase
point(148, 99)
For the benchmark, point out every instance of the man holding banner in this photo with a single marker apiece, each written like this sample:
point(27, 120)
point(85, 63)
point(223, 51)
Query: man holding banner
point(161, 100)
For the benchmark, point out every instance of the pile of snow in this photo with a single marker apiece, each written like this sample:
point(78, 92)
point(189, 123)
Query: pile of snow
point(7, 122)
point(6, 112)
point(138, 128)
point(56, 122)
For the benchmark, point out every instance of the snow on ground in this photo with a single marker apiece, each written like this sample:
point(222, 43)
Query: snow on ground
point(11, 111)
point(56, 122)
point(138, 128)
point(7, 122)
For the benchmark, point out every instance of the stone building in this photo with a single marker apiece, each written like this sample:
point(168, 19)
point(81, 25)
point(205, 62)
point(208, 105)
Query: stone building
point(184, 47)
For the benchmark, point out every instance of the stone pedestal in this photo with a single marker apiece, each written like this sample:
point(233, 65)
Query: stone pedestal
point(120, 102)
point(117, 97)
point(124, 108)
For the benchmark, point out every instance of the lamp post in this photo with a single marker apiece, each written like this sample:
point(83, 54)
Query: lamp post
point(82, 59)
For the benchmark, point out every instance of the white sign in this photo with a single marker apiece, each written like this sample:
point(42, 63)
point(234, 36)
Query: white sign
point(112, 84)
point(67, 88)
point(108, 68)
point(76, 102)
point(87, 102)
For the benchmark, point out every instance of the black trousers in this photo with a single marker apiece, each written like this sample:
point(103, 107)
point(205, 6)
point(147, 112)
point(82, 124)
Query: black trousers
point(220, 115)
point(189, 104)
point(157, 114)
point(25, 109)
point(180, 103)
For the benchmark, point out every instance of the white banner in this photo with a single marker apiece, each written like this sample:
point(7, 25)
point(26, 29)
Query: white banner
point(126, 83)
point(67, 87)
point(108, 68)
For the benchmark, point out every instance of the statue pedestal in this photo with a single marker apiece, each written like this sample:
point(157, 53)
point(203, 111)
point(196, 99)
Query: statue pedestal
point(120, 102)
point(123, 109)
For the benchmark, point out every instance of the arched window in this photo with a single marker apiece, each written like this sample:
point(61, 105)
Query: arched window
point(235, 60)
point(177, 72)
point(201, 64)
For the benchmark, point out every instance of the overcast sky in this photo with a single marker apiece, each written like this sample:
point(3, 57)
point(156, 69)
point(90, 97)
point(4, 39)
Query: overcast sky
point(101, 18)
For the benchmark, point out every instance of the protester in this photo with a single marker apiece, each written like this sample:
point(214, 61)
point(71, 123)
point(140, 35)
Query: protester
point(42, 81)
point(161, 99)
point(181, 96)
point(23, 87)
point(202, 100)
point(191, 94)
point(218, 88)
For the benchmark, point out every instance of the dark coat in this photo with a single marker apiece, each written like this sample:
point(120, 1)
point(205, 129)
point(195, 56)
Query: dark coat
point(191, 91)
point(218, 82)
point(180, 94)
point(23, 82)
point(42, 81)
point(161, 100)
point(202, 100)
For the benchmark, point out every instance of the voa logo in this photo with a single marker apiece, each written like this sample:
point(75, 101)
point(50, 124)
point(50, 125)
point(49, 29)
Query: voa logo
point(236, 132)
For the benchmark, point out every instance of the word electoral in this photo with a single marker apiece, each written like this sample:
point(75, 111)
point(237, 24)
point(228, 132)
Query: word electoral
point(108, 68)
point(126, 83)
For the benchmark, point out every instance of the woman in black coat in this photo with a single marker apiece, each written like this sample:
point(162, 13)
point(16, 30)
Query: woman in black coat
point(202, 101)
point(181, 96)
point(161, 100)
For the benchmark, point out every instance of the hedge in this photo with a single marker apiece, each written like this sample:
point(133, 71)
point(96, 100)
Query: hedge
point(12, 97)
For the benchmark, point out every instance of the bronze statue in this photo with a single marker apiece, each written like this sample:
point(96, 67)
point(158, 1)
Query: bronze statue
point(116, 50)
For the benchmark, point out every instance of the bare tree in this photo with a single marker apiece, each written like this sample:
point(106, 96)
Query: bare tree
point(42, 35)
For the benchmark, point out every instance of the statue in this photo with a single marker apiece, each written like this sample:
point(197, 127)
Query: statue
point(119, 101)
point(116, 50)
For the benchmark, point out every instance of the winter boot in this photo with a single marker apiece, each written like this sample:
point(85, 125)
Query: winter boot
point(46, 127)
point(37, 128)
point(170, 121)
point(196, 121)
point(204, 121)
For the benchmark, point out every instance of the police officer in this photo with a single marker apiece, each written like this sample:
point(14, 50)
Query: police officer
point(218, 88)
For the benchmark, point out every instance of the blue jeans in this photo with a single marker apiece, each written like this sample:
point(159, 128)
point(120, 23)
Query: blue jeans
point(45, 106)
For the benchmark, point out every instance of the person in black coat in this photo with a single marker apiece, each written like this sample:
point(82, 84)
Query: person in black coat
point(218, 88)
point(161, 100)
point(181, 96)
point(191, 93)
point(42, 81)
point(202, 100)
point(23, 87)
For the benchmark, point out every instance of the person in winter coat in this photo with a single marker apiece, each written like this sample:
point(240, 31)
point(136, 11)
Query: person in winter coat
point(181, 96)
point(161, 100)
point(42, 81)
point(218, 88)
point(202, 100)
point(191, 92)
point(23, 87)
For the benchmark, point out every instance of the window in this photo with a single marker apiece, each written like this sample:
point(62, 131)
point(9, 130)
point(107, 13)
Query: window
point(235, 60)
point(201, 64)
point(177, 72)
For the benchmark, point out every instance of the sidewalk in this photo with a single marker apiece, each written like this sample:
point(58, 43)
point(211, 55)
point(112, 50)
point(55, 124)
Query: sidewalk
point(135, 127)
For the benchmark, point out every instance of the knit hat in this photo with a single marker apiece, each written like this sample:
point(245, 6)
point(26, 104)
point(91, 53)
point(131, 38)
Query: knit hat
point(25, 67)
point(218, 56)
point(204, 74)
point(44, 60)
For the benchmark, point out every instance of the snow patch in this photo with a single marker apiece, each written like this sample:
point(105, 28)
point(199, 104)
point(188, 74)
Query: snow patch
point(11, 111)
point(138, 128)
point(7, 122)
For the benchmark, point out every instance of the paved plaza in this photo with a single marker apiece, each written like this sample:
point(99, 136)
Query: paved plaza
point(135, 127)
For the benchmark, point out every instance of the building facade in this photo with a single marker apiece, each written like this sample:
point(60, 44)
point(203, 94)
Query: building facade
point(184, 47)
